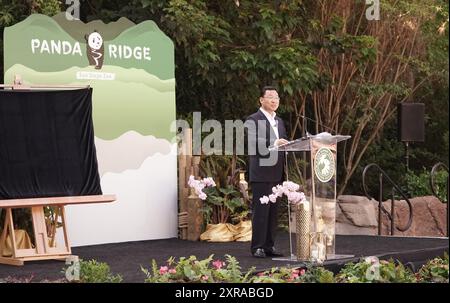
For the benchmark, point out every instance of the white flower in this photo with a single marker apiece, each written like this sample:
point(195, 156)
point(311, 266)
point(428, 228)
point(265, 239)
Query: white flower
point(273, 198)
point(291, 186)
point(209, 182)
point(264, 200)
point(191, 181)
point(293, 197)
point(278, 190)
point(199, 185)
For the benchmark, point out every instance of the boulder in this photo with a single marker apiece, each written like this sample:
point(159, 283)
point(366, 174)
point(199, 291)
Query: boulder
point(345, 225)
point(429, 217)
point(358, 210)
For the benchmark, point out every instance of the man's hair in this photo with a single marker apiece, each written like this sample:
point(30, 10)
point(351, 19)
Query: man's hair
point(266, 88)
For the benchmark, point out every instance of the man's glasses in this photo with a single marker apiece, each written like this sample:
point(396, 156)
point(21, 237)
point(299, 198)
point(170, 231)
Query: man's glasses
point(272, 98)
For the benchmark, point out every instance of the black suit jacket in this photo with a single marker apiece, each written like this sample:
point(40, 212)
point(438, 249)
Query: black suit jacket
point(256, 139)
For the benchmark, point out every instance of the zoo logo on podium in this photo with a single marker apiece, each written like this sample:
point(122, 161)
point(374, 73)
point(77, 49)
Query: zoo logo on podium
point(324, 165)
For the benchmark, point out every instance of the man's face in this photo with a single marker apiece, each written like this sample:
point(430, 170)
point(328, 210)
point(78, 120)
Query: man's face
point(270, 101)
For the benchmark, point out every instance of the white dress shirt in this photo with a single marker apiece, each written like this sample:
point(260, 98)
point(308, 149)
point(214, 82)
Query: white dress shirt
point(272, 121)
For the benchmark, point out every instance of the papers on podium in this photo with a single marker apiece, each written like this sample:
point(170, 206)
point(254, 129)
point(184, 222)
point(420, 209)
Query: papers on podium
point(303, 144)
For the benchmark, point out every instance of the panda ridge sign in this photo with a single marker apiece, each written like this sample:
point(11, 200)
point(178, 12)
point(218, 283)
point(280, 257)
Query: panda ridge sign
point(95, 48)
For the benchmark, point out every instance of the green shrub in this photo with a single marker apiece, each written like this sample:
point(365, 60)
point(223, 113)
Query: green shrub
point(317, 274)
point(278, 275)
point(435, 271)
point(371, 270)
point(419, 184)
point(312, 274)
point(191, 270)
point(93, 271)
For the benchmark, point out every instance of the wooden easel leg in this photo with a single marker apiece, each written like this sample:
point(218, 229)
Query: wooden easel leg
point(4, 233)
point(64, 226)
point(8, 226)
point(40, 230)
point(12, 234)
point(55, 223)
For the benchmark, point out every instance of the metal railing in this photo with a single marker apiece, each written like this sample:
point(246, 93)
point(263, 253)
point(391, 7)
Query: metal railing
point(434, 170)
point(395, 189)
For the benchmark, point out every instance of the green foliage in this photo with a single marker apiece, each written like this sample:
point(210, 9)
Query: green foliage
point(278, 275)
point(435, 271)
point(312, 274)
point(419, 185)
point(223, 204)
point(93, 271)
point(317, 274)
point(367, 271)
point(191, 270)
point(46, 7)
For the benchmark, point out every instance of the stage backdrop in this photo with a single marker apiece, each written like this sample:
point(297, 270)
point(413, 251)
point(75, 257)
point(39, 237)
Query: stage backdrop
point(131, 69)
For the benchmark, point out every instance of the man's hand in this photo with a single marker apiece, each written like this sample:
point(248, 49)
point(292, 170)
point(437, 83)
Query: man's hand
point(279, 142)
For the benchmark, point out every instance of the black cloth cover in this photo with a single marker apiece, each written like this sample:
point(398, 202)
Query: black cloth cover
point(47, 144)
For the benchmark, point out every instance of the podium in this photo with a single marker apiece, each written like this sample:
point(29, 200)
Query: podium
point(321, 190)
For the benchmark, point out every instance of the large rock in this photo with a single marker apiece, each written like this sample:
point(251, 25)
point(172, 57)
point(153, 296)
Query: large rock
point(358, 210)
point(355, 215)
point(429, 217)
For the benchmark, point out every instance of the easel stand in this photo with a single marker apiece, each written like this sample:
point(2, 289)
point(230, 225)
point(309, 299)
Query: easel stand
point(43, 249)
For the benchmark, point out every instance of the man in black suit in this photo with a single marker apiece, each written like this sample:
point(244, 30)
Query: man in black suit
point(265, 130)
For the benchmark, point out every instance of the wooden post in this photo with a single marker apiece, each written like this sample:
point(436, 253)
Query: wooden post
point(184, 170)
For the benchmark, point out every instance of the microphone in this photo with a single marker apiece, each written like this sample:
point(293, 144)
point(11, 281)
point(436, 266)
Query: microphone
point(307, 134)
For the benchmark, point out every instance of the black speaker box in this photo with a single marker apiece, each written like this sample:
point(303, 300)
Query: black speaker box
point(411, 122)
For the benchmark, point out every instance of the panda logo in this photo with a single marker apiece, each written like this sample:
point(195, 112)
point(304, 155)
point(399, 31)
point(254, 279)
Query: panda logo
point(95, 49)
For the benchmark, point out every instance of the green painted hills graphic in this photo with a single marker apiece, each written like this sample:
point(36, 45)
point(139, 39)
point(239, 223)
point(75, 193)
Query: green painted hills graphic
point(77, 28)
point(135, 100)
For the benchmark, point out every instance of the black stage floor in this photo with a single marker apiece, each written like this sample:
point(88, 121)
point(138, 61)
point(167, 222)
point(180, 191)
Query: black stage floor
point(127, 258)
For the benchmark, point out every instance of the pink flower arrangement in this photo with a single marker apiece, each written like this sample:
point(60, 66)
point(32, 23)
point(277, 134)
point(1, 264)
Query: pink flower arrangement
point(218, 264)
point(163, 270)
point(172, 271)
point(199, 185)
point(288, 188)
